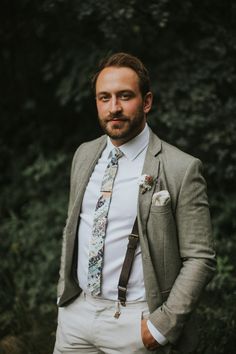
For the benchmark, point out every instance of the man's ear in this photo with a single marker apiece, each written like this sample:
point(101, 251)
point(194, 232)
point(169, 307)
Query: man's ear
point(147, 102)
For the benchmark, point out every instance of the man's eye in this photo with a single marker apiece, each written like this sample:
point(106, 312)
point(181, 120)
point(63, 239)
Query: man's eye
point(125, 96)
point(104, 98)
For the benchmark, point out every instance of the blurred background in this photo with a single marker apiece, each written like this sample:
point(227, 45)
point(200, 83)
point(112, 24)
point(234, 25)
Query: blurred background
point(48, 51)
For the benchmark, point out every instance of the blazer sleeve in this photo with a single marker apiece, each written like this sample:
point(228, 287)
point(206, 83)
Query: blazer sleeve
point(72, 194)
point(196, 252)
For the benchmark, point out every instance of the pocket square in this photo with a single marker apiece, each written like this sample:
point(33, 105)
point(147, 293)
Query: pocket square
point(161, 198)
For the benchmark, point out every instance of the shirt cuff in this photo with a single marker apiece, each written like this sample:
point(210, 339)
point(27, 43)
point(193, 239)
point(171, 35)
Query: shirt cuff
point(162, 340)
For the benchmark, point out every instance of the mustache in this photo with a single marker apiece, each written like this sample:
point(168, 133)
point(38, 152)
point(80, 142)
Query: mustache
point(113, 116)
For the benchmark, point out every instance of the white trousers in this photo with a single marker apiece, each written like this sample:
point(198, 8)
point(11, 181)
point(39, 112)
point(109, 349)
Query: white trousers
point(88, 325)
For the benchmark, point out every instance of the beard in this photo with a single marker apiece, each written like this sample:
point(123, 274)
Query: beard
point(121, 127)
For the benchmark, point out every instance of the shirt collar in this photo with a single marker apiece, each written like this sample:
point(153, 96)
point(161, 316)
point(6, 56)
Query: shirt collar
point(133, 147)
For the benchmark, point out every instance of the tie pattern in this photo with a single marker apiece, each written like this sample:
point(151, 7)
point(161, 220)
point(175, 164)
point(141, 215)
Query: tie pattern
point(96, 247)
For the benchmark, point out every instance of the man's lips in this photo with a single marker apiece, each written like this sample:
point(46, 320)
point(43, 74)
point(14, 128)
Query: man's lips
point(116, 122)
point(117, 119)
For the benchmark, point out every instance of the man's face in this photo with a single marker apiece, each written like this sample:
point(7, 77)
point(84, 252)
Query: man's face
point(121, 108)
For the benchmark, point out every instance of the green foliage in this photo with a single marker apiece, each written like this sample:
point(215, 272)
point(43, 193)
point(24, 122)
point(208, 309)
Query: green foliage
point(49, 51)
point(31, 240)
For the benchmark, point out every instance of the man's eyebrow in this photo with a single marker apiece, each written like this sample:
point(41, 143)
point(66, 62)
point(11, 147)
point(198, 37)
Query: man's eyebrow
point(117, 93)
point(126, 90)
point(102, 93)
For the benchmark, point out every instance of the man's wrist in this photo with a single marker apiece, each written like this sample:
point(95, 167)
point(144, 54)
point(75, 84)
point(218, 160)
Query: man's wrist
point(162, 340)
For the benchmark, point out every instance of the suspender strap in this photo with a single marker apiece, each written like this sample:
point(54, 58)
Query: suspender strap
point(127, 265)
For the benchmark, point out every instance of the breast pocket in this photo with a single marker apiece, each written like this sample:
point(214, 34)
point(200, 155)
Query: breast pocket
point(161, 208)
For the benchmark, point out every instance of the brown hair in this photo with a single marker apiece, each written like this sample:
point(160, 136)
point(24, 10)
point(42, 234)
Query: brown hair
point(129, 61)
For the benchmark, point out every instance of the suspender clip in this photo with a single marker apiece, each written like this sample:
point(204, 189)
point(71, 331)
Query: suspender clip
point(133, 236)
point(133, 241)
point(122, 295)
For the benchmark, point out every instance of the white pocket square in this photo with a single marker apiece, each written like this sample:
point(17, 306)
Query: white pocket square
point(161, 198)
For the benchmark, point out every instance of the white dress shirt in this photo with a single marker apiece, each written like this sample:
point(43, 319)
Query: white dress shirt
point(121, 217)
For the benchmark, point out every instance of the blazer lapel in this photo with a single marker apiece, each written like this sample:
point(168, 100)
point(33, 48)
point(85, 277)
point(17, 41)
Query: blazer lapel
point(90, 159)
point(151, 167)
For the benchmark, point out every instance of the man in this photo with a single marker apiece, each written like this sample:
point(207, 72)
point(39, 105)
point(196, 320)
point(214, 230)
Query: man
point(126, 174)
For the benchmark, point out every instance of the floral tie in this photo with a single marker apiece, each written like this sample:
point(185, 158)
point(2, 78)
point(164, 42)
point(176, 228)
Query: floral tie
point(96, 247)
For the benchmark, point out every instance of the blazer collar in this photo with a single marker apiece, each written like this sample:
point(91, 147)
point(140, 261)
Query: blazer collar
point(154, 145)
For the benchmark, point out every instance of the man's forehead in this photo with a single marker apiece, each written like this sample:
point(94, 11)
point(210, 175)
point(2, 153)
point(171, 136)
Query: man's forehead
point(117, 78)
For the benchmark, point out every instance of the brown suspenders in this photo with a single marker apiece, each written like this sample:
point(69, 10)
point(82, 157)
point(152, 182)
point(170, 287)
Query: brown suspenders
point(127, 265)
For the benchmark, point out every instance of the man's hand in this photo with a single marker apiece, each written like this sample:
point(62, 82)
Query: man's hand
point(149, 342)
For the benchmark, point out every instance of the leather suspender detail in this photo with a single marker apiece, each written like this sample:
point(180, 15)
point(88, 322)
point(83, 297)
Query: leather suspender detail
point(127, 265)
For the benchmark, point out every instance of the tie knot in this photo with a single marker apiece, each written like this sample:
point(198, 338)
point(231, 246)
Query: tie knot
point(116, 153)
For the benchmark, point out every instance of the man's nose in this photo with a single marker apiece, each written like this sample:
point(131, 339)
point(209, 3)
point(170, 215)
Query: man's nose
point(115, 105)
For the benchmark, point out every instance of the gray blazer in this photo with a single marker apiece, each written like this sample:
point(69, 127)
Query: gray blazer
point(176, 239)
